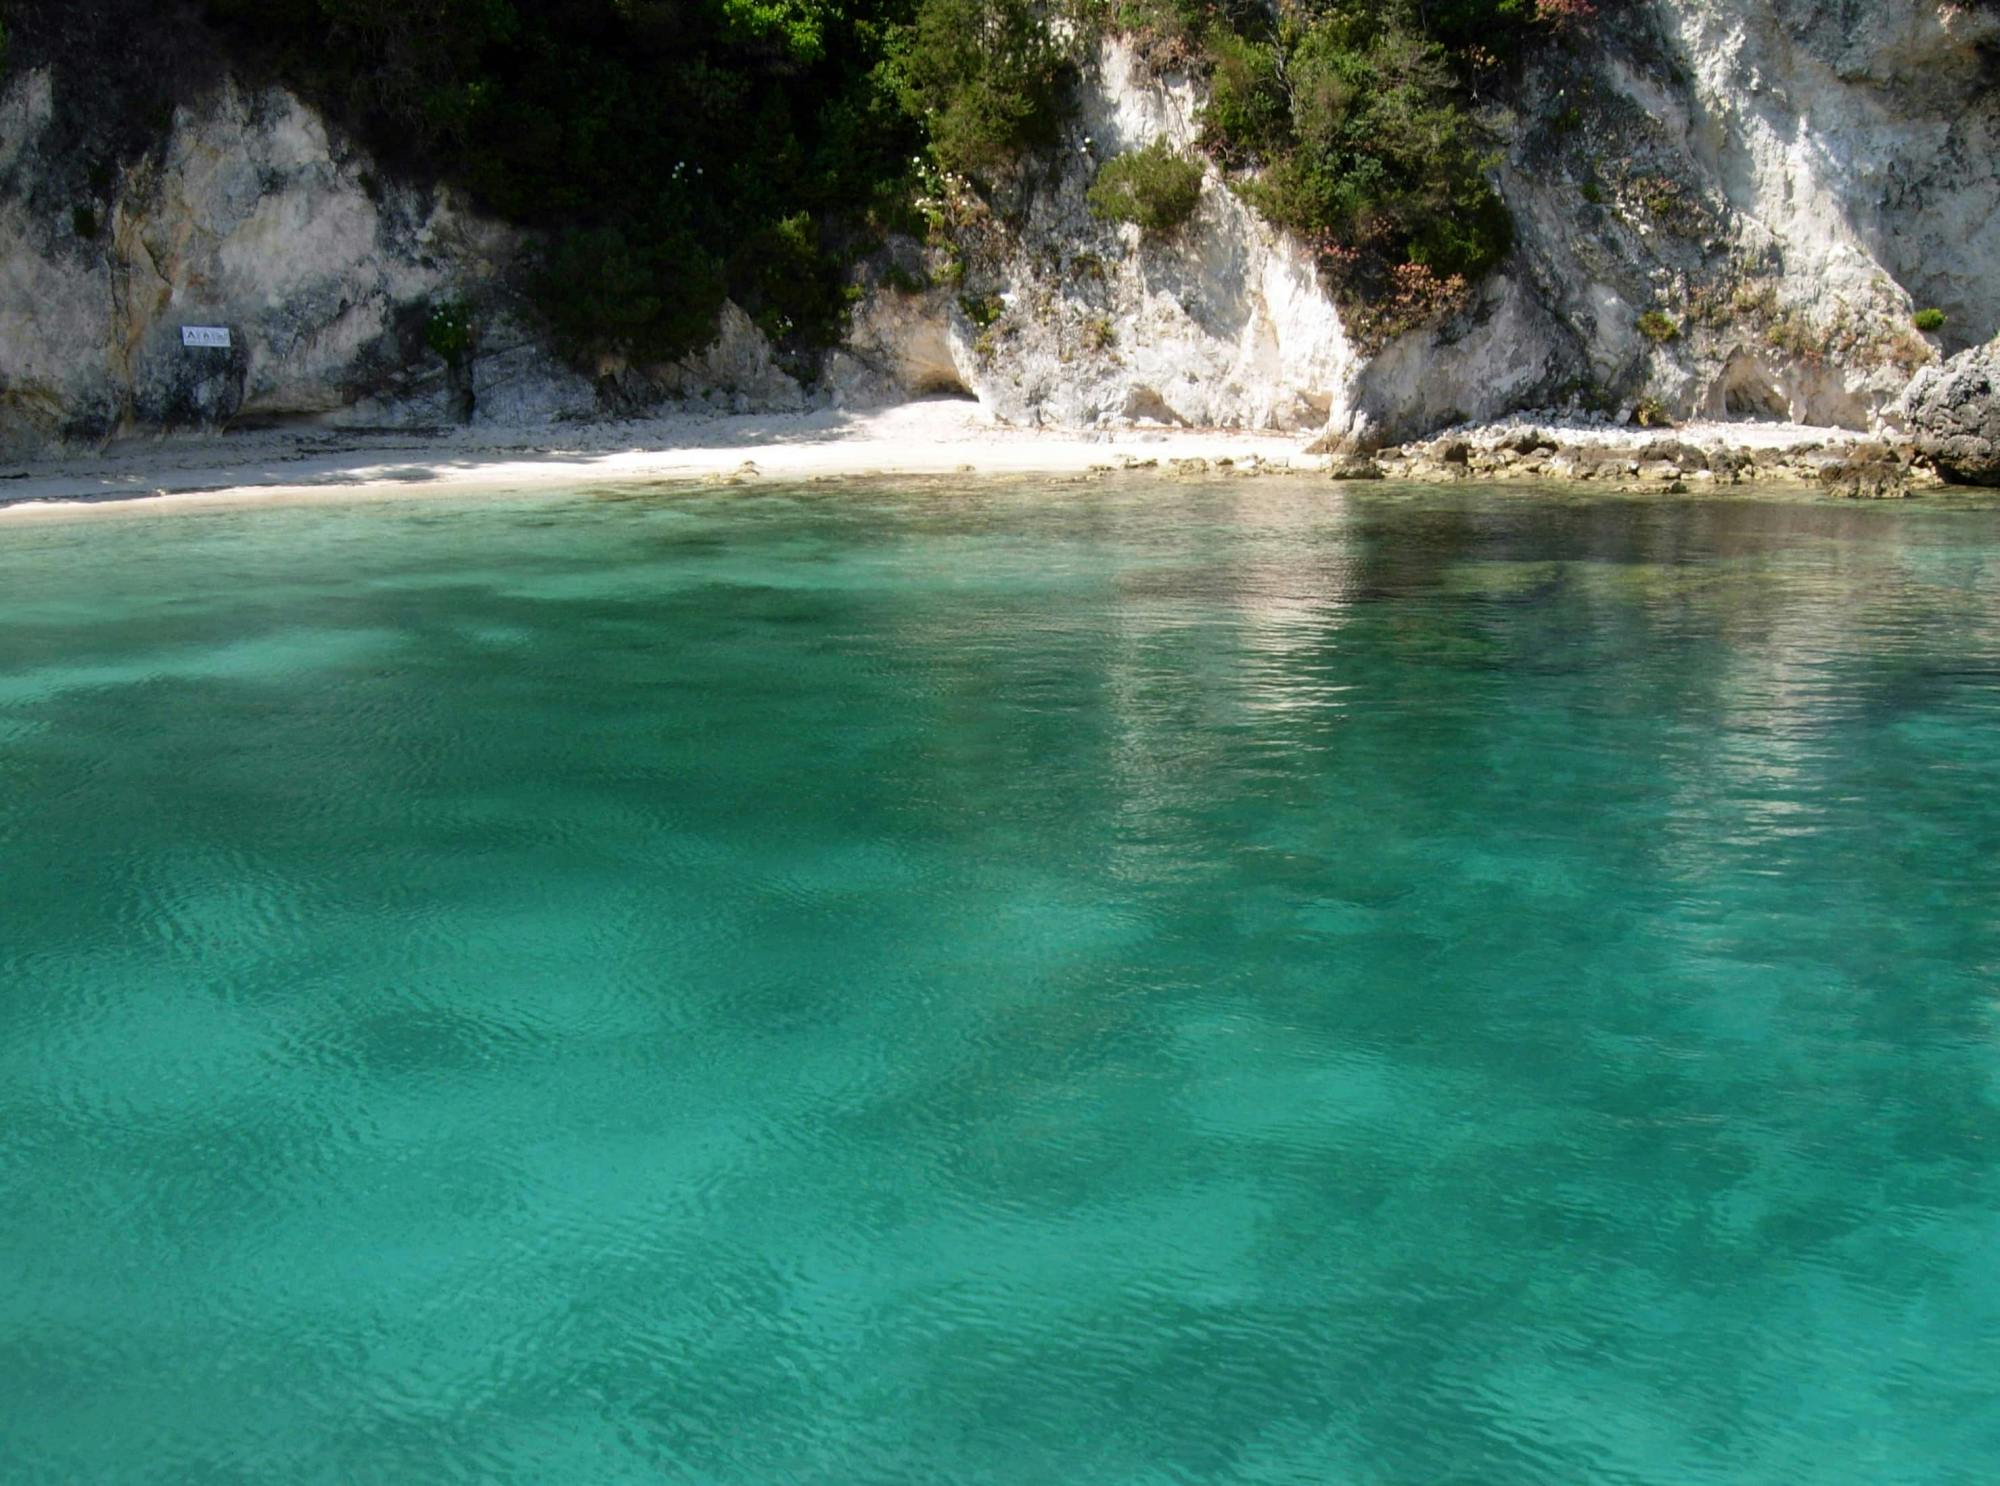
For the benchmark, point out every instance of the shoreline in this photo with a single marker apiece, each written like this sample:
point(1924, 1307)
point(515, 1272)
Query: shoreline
point(933, 437)
point(937, 437)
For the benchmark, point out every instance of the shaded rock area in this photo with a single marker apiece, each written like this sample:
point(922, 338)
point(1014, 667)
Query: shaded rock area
point(247, 217)
point(1953, 414)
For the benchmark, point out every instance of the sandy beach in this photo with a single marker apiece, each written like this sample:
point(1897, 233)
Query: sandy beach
point(939, 436)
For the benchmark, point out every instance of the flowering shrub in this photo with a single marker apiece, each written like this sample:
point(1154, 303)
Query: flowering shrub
point(1415, 296)
point(1564, 15)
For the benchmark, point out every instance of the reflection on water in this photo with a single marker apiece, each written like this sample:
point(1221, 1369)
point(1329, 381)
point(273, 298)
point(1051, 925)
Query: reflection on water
point(1242, 983)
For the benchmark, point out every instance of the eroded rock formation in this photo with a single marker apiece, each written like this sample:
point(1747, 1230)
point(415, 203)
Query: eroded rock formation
point(1953, 414)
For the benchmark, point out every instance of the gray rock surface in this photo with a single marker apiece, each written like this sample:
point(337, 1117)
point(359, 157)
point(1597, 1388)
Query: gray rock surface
point(1953, 415)
point(248, 217)
point(1706, 455)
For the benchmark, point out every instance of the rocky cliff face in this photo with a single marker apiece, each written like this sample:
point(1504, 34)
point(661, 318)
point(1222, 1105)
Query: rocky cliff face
point(1953, 414)
point(1787, 184)
point(1771, 191)
point(1775, 189)
point(248, 219)
point(1056, 317)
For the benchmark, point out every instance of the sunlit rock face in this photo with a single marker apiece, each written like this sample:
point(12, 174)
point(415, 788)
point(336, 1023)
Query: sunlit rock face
point(1785, 186)
point(1053, 317)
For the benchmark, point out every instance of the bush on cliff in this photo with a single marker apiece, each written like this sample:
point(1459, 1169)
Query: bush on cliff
point(1154, 187)
point(989, 79)
point(1352, 123)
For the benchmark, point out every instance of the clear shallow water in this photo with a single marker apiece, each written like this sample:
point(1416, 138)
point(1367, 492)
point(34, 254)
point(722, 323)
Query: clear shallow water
point(1147, 985)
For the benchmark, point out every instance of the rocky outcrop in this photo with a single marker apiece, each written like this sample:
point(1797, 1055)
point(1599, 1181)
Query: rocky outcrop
point(1722, 211)
point(1728, 211)
point(251, 218)
point(1736, 211)
point(1678, 460)
point(1953, 414)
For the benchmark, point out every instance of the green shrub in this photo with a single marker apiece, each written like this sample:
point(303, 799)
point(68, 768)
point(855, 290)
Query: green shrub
point(1153, 187)
point(982, 310)
point(1593, 193)
point(1657, 327)
point(650, 296)
point(1368, 148)
point(1929, 320)
point(448, 331)
point(987, 78)
point(1247, 119)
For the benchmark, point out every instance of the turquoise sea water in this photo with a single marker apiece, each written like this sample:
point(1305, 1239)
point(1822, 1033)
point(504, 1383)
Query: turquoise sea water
point(1137, 984)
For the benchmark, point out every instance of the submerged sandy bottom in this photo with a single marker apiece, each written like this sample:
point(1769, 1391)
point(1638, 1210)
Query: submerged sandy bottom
point(1249, 982)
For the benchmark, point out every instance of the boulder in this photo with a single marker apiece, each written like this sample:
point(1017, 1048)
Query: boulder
point(1358, 468)
point(1868, 472)
point(1953, 415)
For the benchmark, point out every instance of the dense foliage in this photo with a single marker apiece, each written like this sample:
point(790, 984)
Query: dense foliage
point(988, 78)
point(677, 152)
point(1154, 187)
point(1352, 120)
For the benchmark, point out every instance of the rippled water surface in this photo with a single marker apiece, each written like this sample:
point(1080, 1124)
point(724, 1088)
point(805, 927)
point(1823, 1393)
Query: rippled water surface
point(1115, 985)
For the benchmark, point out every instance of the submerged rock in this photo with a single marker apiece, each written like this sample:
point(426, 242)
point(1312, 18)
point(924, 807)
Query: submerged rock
point(1355, 469)
point(1867, 471)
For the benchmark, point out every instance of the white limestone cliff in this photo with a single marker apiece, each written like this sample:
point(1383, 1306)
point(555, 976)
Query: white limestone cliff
point(1786, 184)
point(1222, 324)
point(251, 219)
point(1787, 187)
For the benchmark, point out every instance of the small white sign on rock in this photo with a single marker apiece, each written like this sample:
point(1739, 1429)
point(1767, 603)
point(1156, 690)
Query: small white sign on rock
point(206, 335)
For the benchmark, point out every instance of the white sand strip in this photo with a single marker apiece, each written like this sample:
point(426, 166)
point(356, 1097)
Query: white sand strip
point(932, 437)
